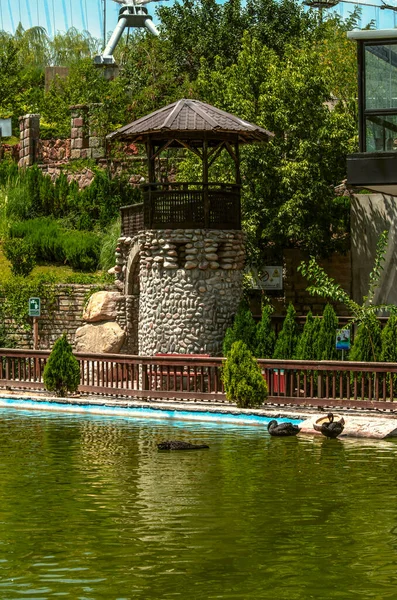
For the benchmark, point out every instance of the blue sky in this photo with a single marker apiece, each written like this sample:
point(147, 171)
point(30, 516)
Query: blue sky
point(87, 14)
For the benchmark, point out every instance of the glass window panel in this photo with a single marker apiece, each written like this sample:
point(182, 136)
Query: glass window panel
point(381, 76)
point(381, 133)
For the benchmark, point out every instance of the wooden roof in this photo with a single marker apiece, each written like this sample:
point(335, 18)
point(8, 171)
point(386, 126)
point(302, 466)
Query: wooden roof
point(192, 120)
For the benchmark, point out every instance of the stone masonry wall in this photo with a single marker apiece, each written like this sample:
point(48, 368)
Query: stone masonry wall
point(190, 288)
point(67, 317)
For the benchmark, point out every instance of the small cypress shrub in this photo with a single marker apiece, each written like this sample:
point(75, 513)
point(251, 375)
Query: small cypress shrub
point(288, 337)
point(265, 335)
point(21, 254)
point(243, 328)
point(62, 371)
point(389, 340)
point(242, 377)
point(306, 347)
point(367, 345)
point(326, 340)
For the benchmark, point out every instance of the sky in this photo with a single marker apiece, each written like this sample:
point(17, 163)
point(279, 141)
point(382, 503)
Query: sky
point(59, 15)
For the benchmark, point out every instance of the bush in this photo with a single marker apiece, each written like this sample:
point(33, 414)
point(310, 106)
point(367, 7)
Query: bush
point(109, 245)
point(389, 340)
point(367, 345)
point(243, 329)
point(326, 340)
point(288, 337)
point(62, 371)
point(265, 335)
point(242, 378)
point(306, 347)
point(79, 249)
point(21, 254)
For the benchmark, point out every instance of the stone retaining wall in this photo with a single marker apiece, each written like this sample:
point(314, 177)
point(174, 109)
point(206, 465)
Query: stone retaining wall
point(66, 318)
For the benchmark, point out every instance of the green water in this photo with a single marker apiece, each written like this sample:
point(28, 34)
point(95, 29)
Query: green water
point(89, 509)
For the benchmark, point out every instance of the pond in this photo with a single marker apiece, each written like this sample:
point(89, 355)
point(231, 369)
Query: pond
point(89, 509)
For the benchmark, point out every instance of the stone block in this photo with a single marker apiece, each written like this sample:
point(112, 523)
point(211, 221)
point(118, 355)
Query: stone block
point(99, 338)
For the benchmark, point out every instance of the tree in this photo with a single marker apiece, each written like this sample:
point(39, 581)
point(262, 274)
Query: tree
point(265, 335)
point(389, 340)
point(288, 336)
point(242, 378)
point(326, 341)
point(306, 346)
point(21, 255)
point(62, 371)
point(243, 329)
point(367, 343)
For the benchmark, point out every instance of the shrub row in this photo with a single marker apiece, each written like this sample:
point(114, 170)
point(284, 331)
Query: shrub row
point(316, 341)
point(51, 243)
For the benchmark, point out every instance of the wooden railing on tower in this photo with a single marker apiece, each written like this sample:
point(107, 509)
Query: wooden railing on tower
point(182, 206)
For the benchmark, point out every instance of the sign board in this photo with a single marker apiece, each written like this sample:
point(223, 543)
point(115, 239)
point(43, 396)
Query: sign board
point(343, 339)
point(272, 278)
point(5, 128)
point(34, 307)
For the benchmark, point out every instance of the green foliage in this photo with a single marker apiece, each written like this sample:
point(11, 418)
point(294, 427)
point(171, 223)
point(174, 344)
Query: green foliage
point(367, 342)
point(326, 339)
point(265, 335)
point(389, 340)
point(62, 371)
point(21, 254)
point(242, 377)
point(16, 292)
point(51, 243)
point(288, 337)
point(367, 345)
point(243, 329)
point(109, 244)
point(307, 343)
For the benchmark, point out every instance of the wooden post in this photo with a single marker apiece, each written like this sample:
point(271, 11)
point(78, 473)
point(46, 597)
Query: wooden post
point(35, 333)
point(205, 186)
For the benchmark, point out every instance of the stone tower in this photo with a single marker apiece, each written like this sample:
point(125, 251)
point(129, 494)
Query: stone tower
point(181, 254)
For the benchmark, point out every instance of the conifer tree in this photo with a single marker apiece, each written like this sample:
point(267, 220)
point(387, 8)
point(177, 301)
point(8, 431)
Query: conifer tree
point(243, 328)
point(389, 340)
point(288, 337)
point(265, 335)
point(242, 377)
point(367, 345)
point(306, 347)
point(62, 371)
point(326, 346)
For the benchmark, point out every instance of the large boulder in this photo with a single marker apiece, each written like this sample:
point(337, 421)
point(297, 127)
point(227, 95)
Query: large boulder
point(99, 338)
point(102, 306)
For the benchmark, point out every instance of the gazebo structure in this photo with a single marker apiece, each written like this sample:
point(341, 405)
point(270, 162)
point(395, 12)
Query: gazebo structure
point(181, 253)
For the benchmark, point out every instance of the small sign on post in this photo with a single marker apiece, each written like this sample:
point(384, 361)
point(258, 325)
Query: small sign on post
point(35, 312)
point(34, 307)
point(343, 340)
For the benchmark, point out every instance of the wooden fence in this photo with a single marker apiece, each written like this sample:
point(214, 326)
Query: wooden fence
point(314, 383)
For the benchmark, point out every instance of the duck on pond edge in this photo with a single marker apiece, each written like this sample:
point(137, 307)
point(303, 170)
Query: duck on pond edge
point(282, 429)
point(332, 428)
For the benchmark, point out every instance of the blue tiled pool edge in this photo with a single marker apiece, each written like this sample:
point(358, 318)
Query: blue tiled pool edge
point(143, 411)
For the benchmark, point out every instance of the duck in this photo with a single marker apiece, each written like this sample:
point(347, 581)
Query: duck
point(333, 428)
point(282, 429)
point(178, 445)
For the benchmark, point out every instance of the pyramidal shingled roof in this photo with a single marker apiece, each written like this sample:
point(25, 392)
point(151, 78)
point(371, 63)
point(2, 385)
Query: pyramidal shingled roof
point(194, 118)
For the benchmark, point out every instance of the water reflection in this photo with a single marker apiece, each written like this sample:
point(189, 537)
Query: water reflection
point(90, 509)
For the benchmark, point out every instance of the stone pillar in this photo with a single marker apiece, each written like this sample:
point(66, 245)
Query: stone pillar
point(190, 287)
point(29, 128)
point(96, 140)
point(79, 144)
